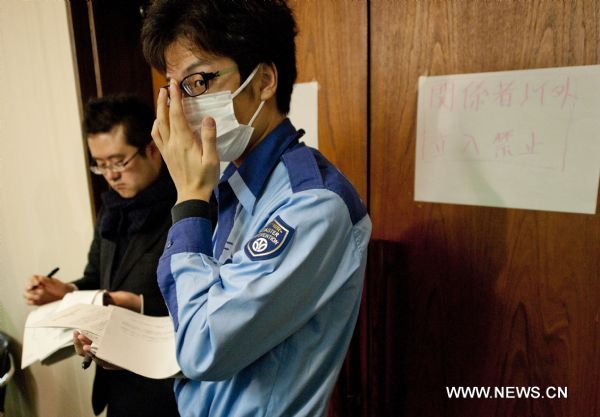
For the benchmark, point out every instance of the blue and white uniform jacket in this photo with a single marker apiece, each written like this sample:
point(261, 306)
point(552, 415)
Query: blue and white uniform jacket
point(264, 311)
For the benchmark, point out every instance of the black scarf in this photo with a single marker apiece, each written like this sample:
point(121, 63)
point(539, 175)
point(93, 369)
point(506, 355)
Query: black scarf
point(124, 217)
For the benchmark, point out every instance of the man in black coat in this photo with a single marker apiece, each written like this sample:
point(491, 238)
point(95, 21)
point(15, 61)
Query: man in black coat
point(129, 238)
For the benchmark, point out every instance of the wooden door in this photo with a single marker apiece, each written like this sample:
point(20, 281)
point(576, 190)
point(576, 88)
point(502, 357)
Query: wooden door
point(474, 296)
point(332, 49)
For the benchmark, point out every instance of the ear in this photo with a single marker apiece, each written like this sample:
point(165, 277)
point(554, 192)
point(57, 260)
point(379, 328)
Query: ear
point(151, 150)
point(268, 80)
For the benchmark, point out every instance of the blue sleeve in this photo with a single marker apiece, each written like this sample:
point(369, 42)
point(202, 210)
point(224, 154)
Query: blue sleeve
point(227, 316)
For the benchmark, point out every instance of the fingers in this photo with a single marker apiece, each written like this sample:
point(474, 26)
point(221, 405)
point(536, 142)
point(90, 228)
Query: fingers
point(177, 119)
point(208, 135)
point(162, 119)
point(37, 281)
point(42, 280)
point(83, 347)
point(33, 294)
point(156, 136)
point(81, 343)
point(34, 281)
point(77, 344)
point(31, 297)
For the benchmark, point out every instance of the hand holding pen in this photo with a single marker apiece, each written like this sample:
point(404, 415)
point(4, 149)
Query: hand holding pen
point(40, 277)
point(83, 347)
point(43, 289)
point(83, 344)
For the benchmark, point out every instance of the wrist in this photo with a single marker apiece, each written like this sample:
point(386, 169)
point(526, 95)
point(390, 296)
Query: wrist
point(137, 305)
point(67, 288)
point(203, 195)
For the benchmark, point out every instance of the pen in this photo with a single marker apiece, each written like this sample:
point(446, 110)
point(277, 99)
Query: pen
point(50, 275)
point(87, 361)
point(54, 271)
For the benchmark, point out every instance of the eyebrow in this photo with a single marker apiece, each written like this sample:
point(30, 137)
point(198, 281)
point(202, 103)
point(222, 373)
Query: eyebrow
point(192, 66)
point(108, 158)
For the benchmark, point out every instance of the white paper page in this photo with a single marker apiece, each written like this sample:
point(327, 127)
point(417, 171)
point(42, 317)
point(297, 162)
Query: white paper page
point(81, 297)
point(142, 344)
point(38, 343)
point(522, 139)
point(90, 319)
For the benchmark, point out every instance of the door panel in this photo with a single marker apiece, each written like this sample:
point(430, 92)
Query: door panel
point(495, 297)
point(332, 49)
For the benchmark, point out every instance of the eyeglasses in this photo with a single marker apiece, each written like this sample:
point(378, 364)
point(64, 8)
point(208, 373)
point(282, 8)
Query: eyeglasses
point(119, 166)
point(197, 83)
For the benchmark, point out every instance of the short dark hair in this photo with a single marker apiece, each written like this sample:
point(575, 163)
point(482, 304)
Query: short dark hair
point(103, 114)
point(248, 31)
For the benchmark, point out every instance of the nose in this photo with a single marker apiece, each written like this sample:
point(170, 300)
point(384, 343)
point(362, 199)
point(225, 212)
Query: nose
point(112, 176)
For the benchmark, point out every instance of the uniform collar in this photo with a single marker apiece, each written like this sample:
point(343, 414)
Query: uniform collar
point(248, 181)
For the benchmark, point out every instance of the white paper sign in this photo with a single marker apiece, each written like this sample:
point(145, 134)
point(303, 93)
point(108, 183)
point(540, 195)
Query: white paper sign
point(522, 139)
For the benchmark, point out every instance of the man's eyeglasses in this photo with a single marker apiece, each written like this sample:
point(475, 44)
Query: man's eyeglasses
point(119, 166)
point(197, 83)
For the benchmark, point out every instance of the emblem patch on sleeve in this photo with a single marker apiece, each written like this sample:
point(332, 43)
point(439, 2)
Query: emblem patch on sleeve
point(270, 241)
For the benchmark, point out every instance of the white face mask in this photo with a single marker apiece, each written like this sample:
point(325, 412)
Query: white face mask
point(232, 137)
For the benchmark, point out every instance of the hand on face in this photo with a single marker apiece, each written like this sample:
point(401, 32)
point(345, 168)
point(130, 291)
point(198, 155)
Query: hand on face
point(192, 163)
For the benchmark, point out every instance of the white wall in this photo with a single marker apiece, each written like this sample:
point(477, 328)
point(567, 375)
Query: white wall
point(45, 213)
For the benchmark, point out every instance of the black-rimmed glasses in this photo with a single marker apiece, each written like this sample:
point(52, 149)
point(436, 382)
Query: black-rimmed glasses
point(197, 83)
point(119, 166)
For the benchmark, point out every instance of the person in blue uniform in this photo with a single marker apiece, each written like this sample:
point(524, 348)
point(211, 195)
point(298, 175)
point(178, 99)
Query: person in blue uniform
point(265, 308)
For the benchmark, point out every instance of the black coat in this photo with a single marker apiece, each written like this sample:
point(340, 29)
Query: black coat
point(128, 394)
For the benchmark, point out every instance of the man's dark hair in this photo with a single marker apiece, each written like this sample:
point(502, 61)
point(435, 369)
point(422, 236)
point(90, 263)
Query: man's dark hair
point(103, 114)
point(248, 31)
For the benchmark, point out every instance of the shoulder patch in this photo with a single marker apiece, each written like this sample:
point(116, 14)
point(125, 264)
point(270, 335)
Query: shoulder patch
point(270, 241)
